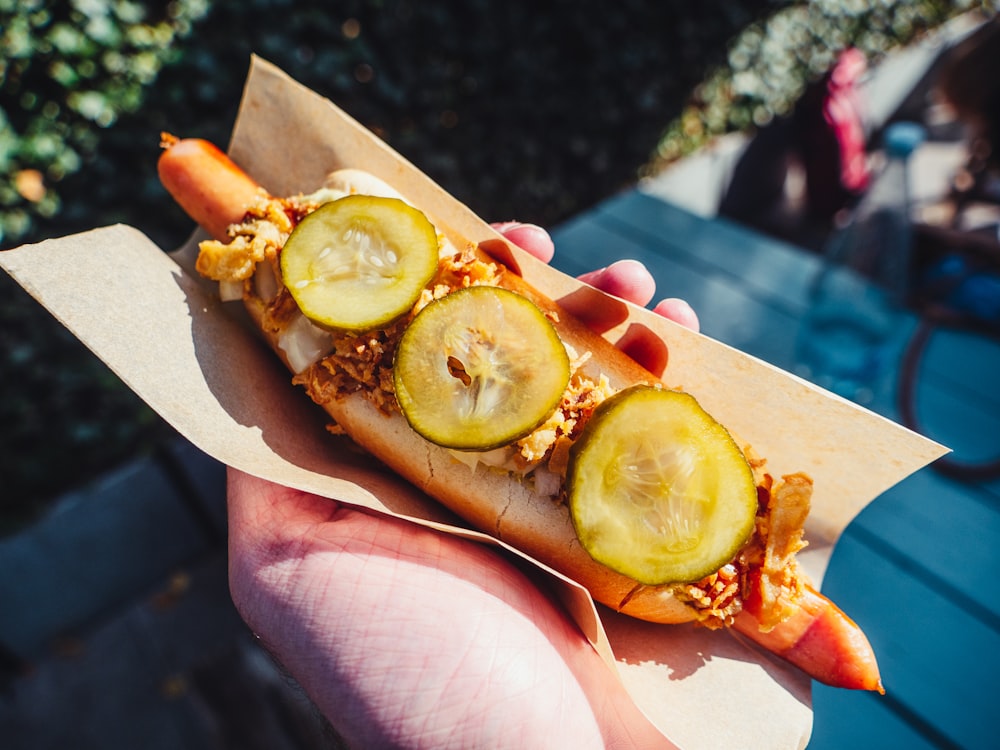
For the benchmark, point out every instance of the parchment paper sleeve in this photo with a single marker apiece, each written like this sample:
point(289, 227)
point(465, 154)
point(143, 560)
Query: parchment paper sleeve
point(193, 361)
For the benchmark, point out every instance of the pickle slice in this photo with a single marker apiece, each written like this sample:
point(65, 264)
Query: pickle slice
point(359, 262)
point(479, 368)
point(658, 490)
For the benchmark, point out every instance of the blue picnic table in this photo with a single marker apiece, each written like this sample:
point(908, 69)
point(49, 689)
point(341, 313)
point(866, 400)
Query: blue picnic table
point(915, 568)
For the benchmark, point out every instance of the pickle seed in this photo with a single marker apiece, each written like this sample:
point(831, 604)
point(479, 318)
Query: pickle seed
point(645, 479)
point(457, 370)
point(484, 372)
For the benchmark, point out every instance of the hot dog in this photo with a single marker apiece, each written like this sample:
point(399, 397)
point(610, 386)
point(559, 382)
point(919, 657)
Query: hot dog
point(529, 480)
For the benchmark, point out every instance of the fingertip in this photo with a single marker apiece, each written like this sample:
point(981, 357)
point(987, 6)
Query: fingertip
point(678, 311)
point(529, 237)
point(628, 279)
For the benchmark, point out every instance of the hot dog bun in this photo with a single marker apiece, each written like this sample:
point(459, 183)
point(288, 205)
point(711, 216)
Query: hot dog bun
point(491, 500)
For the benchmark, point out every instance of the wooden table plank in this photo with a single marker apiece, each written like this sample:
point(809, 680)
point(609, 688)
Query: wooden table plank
point(845, 719)
point(938, 661)
point(940, 531)
point(769, 270)
point(967, 361)
point(966, 422)
point(177, 669)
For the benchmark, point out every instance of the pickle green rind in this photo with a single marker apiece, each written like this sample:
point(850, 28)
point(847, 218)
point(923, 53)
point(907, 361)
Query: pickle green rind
point(479, 368)
point(359, 262)
point(658, 490)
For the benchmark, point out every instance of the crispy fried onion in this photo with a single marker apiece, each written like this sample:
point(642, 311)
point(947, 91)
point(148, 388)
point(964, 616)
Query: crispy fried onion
point(779, 579)
point(765, 575)
point(263, 231)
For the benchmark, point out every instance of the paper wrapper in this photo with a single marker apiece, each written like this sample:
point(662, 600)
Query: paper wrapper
point(194, 361)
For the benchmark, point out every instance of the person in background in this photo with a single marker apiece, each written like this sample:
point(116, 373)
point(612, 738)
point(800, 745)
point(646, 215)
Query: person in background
point(824, 141)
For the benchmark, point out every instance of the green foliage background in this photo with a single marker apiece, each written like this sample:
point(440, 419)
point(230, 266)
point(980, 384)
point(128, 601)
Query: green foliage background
point(771, 61)
point(529, 110)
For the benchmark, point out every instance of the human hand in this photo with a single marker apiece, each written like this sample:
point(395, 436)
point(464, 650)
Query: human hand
point(627, 279)
point(405, 636)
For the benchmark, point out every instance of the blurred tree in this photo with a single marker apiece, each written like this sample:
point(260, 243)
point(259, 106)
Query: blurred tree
point(69, 71)
point(529, 110)
point(770, 63)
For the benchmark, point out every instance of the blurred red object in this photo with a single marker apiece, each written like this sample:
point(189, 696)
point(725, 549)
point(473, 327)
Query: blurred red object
point(830, 129)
